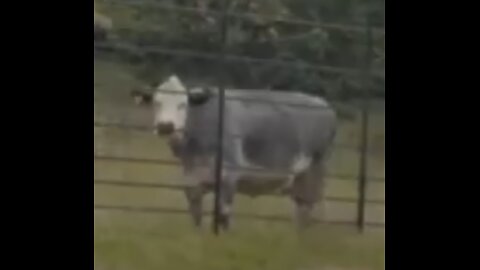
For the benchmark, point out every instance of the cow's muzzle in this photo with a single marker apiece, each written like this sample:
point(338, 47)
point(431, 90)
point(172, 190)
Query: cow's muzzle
point(164, 128)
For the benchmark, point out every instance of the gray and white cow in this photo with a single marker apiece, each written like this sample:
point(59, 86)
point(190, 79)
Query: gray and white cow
point(263, 130)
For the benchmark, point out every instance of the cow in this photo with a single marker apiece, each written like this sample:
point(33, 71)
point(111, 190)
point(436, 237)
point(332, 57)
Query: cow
point(273, 142)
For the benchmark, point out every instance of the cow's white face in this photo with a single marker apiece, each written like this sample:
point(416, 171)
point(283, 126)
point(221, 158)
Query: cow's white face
point(170, 103)
point(170, 106)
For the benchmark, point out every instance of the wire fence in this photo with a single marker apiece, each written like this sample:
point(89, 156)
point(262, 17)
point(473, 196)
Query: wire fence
point(142, 128)
point(154, 184)
point(246, 16)
point(251, 216)
point(145, 49)
point(223, 15)
point(252, 171)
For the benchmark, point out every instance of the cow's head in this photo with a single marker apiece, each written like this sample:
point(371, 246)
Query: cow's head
point(169, 102)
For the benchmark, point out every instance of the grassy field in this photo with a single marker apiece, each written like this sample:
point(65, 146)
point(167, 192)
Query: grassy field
point(154, 241)
point(168, 242)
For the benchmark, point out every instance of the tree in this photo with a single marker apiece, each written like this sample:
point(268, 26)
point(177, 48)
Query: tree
point(266, 29)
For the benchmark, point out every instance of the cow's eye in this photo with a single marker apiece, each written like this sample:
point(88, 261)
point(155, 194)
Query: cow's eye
point(181, 106)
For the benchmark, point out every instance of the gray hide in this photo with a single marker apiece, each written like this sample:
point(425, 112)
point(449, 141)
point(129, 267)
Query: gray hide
point(260, 133)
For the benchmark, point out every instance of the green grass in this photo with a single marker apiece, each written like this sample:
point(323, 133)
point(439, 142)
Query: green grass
point(168, 242)
point(165, 241)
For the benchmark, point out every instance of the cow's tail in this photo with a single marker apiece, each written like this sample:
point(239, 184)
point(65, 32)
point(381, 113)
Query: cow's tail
point(328, 147)
point(331, 139)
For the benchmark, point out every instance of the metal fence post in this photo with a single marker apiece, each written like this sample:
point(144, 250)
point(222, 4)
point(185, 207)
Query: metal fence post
point(221, 105)
point(362, 181)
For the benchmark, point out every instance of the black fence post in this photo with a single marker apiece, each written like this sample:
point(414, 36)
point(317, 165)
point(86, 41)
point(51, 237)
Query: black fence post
point(363, 170)
point(221, 105)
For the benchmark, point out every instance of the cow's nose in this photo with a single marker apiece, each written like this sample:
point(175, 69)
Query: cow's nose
point(165, 128)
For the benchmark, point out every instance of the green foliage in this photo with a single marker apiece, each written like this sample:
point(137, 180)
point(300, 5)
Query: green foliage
point(268, 31)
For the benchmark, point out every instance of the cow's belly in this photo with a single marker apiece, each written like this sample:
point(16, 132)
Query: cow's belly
point(248, 183)
point(254, 186)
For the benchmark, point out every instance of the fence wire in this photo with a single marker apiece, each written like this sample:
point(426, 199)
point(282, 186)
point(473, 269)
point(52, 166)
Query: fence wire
point(245, 16)
point(151, 184)
point(143, 49)
point(271, 218)
point(144, 128)
point(253, 171)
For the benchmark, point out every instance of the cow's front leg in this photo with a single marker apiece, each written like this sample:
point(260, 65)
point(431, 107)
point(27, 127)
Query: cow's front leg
point(195, 198)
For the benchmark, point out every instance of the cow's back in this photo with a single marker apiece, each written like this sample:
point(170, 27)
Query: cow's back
point(278, 126)
point(275, 126)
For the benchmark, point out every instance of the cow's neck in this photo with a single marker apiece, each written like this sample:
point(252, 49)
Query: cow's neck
point(176, 142)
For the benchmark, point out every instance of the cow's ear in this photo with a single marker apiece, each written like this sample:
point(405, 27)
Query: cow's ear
point(141, 97)
point(199, 96)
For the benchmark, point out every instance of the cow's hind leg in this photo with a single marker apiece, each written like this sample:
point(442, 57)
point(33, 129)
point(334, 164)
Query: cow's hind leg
point(195, 198)
point(303, 213)
point(308, 190)
point(303, 204)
